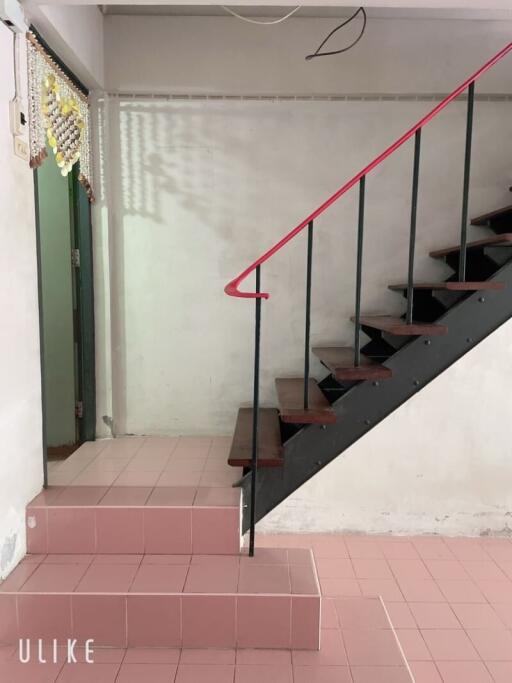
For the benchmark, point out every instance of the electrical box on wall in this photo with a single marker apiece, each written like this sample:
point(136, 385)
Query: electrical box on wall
point(11, 13)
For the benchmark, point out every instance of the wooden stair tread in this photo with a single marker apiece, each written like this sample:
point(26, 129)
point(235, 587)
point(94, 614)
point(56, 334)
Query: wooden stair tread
point(398, 326)
point(290, 394)
point(270, 448)
point(487, 217)
point(452, 286)
point(340, 361)
point(495, 240)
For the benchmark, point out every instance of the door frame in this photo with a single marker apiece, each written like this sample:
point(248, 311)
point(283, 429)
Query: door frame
point(84, 326)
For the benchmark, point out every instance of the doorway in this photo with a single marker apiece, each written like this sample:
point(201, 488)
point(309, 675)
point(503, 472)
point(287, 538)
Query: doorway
point(66, 309)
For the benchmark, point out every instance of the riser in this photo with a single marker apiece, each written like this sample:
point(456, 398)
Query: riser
point(177, 621)
point(133, 530)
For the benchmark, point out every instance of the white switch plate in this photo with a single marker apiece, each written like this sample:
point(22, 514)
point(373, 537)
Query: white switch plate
point(20, 148)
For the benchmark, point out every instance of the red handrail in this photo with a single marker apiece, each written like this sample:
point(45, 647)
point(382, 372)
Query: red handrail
point(232, 287)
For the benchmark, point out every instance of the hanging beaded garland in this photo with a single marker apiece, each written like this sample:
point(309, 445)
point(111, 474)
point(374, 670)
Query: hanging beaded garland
point(58, 114)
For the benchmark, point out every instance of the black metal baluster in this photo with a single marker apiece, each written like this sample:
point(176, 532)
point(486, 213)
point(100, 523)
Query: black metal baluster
point(360, 227)
point(465, 189)
point(412, 237)
point(308, 315)
point(255, 413)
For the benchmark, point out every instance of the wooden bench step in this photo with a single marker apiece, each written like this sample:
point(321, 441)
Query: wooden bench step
point(452, 286)
point(270, 448)
point(398, 326)
point(290, 394)
point(340, 361)
point(487, 218)
point(495, 241)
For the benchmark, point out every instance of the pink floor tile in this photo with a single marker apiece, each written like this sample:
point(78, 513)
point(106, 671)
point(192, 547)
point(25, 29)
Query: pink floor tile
point(460, 591)
point(107, 578)
point(501, 671)
point(172, 478)
point(264, 579)
point(466, 548)
point(335, 568)
point(432, 549)
point(504, 612)
point(331, 653)
point(94, 478)
point(398, 550)
point(55, 578)
point(80, 495)
point(400, 615)
point(119, 530)
point(371, 568)
point(484, 571)
point(329, 616)
point(375, 647)
point(136, 479)
point(71, 530)
point(477, 616)
point(496, 591)
point(409, 570)
point(154, 621)
point(328, 545)
point(37, 530)
point(81, 673)
point(413, 645)
point(209, 621)
point(425, 672)
point(468, 672)
point(387, 589)
point(129, 495)
point(322, 674)
point(172, 495)
point(249, 656)
point(382, 674)
point(215, 530)
point(303, 580)
point(118, 559)
point(152, 655)
point(361, 613)
point(217, 496)
point(449, 645)
point(264, 621)
point(447, 569)
point(305, 623)
point(44, 616)
point(337, 588)
point(64, 558)
point(256, 673)
point(421, 590)
point(18, 577)
point(208, 656)
point(168, 530)
point(8, 619)
point(492, 644)
point(47, 496)
point(207, 673)
point(434, 615)
point(210, 578)
point(152, 673)
point(101, 617)
point(154, 578)
point(15, 672)
point(167, 559)
point(267, 556)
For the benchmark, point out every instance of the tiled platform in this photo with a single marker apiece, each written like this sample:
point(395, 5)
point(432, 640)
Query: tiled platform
point(136, 495)
point(166, 600)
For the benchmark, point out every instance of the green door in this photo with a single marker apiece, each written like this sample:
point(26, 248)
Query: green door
point(58, 305)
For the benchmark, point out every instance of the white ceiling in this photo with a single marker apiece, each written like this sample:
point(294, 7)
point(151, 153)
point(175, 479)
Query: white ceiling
point(310, 11)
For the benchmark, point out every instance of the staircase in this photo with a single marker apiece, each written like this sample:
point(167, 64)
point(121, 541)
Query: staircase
point(314, 421)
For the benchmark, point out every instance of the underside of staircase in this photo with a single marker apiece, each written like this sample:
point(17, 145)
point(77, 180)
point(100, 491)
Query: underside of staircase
point(398, 360)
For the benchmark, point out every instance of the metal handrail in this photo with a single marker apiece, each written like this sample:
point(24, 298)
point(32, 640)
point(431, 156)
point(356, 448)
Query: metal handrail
point(232, 288)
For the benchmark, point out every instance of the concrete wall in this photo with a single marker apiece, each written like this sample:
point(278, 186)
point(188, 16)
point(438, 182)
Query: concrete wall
point(193, 191)
point(21, 457)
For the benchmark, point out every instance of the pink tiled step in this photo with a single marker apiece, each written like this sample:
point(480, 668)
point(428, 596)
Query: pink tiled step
point(199, 601)
point(135, 520)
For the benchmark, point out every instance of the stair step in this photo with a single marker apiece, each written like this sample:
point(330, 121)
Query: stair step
point(504, 239)
point(158, 601)
point(290, 394)
point(340, 361)
point(398, 326)
point(270, 448)
point(452, 286)
point(487, 218)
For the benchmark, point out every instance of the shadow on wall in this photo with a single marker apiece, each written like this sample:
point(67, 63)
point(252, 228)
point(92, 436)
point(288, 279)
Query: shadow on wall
point(197, 190)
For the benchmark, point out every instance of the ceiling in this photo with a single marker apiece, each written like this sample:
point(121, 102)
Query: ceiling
point(316, 11)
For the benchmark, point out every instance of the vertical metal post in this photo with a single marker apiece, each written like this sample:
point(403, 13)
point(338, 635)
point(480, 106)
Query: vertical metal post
point(255, 414)
point(412, 237)
point(308, 315)
point(359, 270)
point(465, 189)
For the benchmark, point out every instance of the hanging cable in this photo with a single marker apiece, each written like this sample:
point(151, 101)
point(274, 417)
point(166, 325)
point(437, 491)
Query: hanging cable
point(262, 23)
point(317, 52)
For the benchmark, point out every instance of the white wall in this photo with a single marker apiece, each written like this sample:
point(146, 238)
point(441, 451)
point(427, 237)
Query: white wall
point(193, 191)
point(21, 457)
